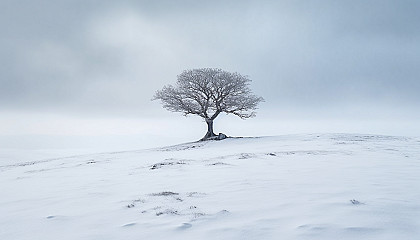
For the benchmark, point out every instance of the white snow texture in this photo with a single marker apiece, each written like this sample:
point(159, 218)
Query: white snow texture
point(328, 186)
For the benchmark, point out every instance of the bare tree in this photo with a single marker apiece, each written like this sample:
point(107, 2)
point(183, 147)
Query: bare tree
point(207, 92)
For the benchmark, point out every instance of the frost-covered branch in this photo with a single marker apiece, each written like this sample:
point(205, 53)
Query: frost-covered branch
point(207, 92)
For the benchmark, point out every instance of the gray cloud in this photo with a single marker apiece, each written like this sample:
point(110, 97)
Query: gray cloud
point(107, 56)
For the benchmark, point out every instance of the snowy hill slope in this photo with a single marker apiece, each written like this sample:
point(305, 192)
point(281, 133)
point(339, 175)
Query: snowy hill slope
point(330, 186)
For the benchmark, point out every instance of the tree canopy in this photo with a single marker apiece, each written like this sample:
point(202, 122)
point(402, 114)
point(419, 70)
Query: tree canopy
point(207, 92)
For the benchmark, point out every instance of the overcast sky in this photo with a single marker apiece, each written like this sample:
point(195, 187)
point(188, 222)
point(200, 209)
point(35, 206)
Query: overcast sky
point(91, 67)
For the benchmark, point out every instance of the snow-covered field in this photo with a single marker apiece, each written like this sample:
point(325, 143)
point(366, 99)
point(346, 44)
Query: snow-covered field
point(328, 186)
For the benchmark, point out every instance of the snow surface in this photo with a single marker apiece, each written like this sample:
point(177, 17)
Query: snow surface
point(329, 186)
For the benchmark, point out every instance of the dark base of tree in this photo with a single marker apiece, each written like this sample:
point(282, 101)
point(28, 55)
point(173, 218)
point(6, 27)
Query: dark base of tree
point(212, 136)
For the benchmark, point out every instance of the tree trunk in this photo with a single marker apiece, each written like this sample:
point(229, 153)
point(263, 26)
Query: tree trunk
point(210, 132)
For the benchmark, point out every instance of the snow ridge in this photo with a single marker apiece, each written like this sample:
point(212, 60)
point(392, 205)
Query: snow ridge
point(309, 186)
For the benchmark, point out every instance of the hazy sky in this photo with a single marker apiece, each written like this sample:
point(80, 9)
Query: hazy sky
point(91, 67)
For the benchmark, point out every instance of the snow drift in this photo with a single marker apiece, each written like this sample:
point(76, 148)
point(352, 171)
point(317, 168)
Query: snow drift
point(330, 186)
